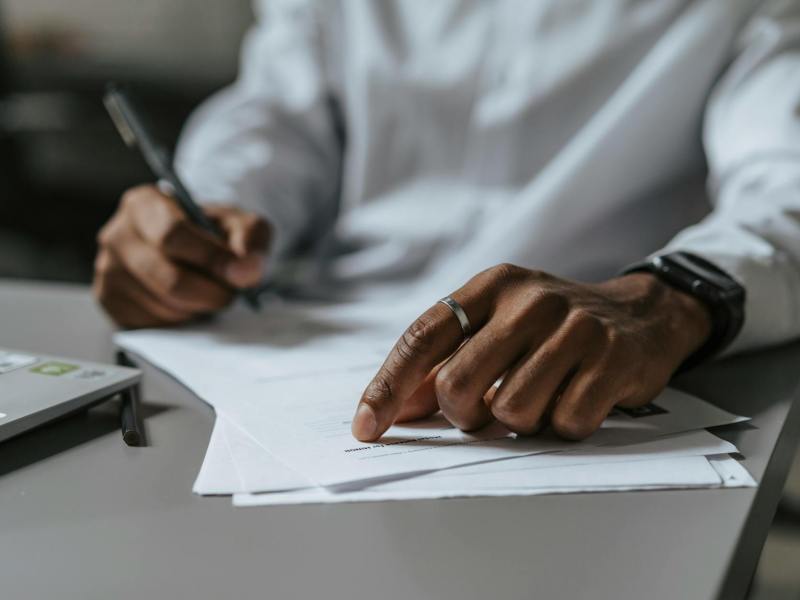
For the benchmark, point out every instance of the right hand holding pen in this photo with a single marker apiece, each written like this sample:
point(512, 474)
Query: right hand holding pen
point(154, 267)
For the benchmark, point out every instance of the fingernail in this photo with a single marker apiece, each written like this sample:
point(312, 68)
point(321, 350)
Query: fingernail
point(365, 425)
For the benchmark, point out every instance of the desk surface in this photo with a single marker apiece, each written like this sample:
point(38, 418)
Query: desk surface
point(86, 517)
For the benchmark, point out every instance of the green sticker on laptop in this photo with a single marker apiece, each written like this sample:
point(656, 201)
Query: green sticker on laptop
point(54, 368)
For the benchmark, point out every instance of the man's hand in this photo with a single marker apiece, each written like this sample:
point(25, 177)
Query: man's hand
point(154, 267)
point(567, 353)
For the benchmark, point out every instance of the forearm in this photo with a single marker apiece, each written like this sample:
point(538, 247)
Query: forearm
point(754, 236)
point(752, 142)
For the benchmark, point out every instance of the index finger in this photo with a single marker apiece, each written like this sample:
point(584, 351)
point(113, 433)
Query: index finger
point(163, 224)
point(429, 340)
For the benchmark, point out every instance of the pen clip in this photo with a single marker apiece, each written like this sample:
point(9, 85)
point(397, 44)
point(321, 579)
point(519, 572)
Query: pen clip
point(133, 131)
point(117, 115)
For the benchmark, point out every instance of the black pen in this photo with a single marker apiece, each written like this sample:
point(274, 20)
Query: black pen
point(134, 132)
point(129, 417)
point(131, 425)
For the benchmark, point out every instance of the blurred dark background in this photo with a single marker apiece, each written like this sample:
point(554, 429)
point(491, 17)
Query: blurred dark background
point(63, 164)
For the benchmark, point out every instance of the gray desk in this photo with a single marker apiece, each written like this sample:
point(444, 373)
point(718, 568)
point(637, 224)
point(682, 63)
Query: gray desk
point(84, 517)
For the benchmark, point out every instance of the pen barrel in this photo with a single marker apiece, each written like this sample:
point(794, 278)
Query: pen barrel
point(192, 210)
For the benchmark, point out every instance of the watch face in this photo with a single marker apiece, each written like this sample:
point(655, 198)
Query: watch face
point(705, 273)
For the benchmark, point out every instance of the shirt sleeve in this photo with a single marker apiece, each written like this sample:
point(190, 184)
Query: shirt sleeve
point(271, 142)
point(752, 143)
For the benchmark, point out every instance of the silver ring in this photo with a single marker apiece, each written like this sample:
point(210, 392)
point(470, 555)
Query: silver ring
point(459, 313)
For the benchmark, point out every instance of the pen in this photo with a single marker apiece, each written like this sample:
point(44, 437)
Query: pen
point(134, 132)
point(129, 418)
point(132, 429)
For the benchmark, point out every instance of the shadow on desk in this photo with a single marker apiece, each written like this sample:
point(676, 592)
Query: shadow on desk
point(735, 389)
point(780, 380)
point(69, 432)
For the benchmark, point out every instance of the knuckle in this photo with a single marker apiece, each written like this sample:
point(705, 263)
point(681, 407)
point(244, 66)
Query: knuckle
point(571, 426)
point(587, 322)
point(449, 385)
point(617, 352)
point(509, 399)
point(513, 418)
point(379, 390)
point(464, 422)
point(505, 328)
point(506, 273)
point(544, 302)
point(463, 416)
point(135, 194)
point(129, 197)
point(416, 340)
point(538, 275)
point(551, 301)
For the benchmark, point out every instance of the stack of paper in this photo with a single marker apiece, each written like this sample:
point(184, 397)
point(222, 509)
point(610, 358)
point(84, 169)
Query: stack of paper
point(285, 384)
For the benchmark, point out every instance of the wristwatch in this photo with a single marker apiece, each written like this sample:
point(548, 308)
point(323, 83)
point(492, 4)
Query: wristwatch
point(720, 292)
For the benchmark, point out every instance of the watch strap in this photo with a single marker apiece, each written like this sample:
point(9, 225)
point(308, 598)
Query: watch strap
point(700, 278)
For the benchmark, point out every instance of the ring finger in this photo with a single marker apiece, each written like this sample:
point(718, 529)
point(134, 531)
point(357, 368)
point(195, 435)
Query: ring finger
point(537, 380)
point(471, 372)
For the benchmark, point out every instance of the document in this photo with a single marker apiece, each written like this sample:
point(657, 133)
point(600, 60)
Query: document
point(305, 423)
point(656, 474)
point(266, 474)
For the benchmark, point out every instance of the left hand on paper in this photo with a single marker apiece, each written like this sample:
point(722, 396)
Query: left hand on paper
point(567, 353)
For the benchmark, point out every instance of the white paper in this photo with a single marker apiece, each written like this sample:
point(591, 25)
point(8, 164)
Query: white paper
point(305, 423)
point(516, 471)
point(257, 469)
point(282, 340)
point(218, 474)
point(267, 474)
point(732, 472)
point(673, 473)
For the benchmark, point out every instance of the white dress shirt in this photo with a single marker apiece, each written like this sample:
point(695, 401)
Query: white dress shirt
point(400, 141)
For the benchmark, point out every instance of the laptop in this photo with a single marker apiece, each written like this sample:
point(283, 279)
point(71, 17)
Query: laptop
point(38, 388)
